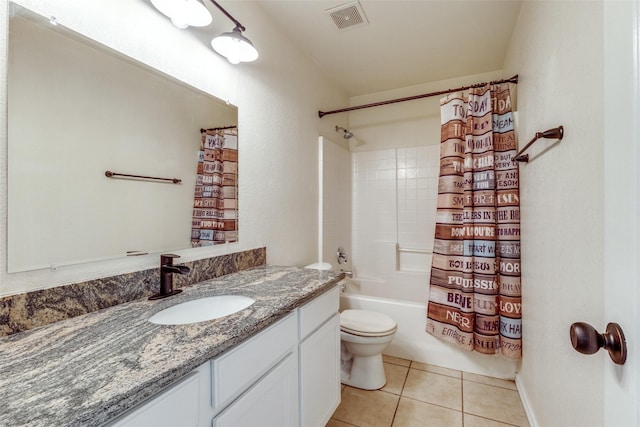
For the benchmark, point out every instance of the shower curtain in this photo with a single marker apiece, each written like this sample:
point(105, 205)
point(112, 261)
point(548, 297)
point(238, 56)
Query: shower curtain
point(215, 214)
point(474, 294)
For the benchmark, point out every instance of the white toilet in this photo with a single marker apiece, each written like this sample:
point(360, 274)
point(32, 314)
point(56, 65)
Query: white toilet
point(364, 335)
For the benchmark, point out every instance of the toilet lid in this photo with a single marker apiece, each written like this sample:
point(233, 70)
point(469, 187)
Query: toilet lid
point(366, 323)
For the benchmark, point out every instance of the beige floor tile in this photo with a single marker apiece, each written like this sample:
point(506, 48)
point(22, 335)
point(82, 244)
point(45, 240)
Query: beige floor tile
point(434, 388)
point(337, 423)
point(511, 385)
point(396, 375)
point(474, 421)
point(396, 360)
point(366, 408)
point(495, 403)
point(413, 413)
point(436, 369)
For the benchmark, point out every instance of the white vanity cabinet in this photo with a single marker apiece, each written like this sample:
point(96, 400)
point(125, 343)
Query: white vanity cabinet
point(319, 359)
point(287, 375)
point(256, 383)
point(304, 389)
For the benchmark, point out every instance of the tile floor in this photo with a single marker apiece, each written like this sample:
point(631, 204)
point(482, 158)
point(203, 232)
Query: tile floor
point(417, 394)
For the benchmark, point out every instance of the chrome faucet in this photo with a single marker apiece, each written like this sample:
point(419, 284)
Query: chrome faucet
point(167, 269)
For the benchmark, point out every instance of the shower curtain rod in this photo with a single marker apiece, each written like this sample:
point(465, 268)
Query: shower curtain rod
point(513, 80)
point(220, 128)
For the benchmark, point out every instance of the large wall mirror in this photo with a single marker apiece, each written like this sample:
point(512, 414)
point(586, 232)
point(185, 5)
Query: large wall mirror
point(78, 109)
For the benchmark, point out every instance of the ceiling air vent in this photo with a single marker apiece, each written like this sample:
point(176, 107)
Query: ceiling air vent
point(348, 15)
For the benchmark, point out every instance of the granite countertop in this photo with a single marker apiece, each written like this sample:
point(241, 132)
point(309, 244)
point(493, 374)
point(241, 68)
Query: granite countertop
point(86, 370)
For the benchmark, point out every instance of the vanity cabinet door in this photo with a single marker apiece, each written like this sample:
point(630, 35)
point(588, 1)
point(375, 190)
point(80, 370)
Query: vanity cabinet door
point(271, 402)
point(175, 406)
point(319, 352)
point(320, 374)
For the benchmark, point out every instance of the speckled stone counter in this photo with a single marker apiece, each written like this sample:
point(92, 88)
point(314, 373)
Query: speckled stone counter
point(19, 313)
point(86, 370)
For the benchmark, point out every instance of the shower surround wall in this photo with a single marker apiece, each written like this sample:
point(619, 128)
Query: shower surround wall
point(394, 203)
point(336, 202)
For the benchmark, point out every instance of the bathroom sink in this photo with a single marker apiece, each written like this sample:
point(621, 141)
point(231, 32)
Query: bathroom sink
point(200, 310)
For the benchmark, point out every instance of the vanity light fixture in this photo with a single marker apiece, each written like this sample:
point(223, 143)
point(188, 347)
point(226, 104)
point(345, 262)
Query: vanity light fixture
point(233, 45)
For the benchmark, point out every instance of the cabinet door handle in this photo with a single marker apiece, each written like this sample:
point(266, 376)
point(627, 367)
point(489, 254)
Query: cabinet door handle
point(586, 340)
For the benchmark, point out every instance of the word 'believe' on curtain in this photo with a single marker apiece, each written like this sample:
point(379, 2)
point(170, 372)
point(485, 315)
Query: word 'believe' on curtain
point(474, 295)
point(215, 213)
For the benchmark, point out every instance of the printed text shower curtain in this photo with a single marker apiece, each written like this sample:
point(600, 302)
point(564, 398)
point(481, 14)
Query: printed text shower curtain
point(474, 296)
point(215, 213)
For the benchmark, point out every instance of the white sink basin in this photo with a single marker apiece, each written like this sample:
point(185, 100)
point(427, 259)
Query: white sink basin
point(200, 310)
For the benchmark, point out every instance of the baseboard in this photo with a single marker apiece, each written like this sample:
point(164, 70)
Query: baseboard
point(528, 410)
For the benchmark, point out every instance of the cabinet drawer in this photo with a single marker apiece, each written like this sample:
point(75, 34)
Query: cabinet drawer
point(237, 369)
point(314, 314)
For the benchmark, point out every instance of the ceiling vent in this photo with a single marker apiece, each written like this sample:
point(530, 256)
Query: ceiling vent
point(348, 15)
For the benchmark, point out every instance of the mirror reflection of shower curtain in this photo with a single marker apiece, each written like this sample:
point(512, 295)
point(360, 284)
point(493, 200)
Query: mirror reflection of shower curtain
point(474, 295)
point(215, 205)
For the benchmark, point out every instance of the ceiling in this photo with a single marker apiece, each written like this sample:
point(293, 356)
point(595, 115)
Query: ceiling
point(405, 42)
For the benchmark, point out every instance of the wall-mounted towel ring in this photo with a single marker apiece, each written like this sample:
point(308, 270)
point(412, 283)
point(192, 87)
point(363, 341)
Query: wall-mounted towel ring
point(555, 133)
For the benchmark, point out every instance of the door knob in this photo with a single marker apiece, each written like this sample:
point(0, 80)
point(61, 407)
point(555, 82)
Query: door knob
point(586, 340)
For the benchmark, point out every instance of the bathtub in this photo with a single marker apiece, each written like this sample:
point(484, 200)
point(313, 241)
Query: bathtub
point(412, 342)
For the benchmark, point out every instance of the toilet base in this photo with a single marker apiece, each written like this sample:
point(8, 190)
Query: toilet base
point(367, 373)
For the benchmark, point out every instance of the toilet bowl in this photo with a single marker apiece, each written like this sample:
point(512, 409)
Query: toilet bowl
point(364, 335)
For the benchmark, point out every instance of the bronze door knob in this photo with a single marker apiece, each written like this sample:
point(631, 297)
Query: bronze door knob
point(586, 340)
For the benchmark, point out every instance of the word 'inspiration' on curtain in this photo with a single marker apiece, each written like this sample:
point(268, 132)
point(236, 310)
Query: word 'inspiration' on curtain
point(215, 213)
point(474, 295)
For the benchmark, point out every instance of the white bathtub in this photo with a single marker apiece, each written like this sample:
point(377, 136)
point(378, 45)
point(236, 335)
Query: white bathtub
point(413, 343)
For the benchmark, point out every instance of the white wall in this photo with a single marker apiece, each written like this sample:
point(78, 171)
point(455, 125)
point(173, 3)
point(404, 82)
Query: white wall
point(557, 51)
point(278, 98)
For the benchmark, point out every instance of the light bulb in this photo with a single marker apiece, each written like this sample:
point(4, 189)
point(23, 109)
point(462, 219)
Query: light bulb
point(234, 52)
point(184, 13)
